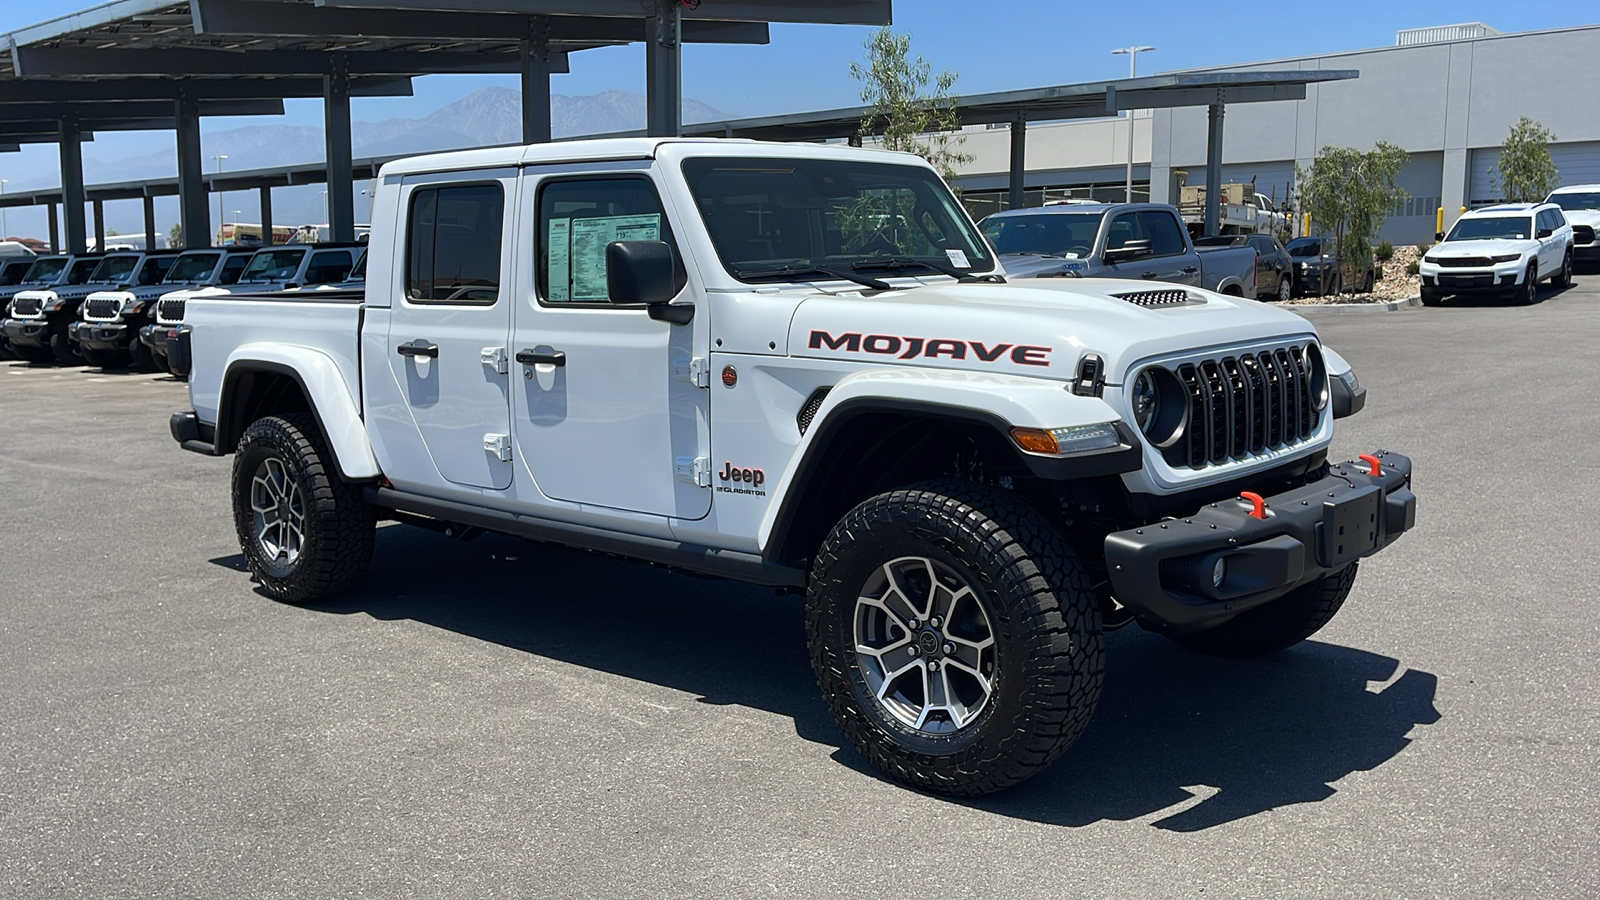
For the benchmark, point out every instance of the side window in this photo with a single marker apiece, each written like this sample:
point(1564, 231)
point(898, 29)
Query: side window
point(329, 266)
point(1166, 238)
point(155, 269)
point(1124, 228)
point(232, 268)
point(453, 244)
point(578, 219)
point(1557, 219)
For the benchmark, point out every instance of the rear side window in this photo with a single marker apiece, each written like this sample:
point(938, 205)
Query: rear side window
point(232, 268)
point(1166, 238)
point(329, 266)
point(453, 244)
point(1124, 228)
point(155, 269)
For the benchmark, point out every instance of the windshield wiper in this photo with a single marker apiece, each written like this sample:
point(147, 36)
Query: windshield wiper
point(791, 271)
point(895, 262)
point(1035, 253)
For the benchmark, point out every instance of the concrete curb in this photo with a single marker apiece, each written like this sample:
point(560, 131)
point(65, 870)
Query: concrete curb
point(1348, 308)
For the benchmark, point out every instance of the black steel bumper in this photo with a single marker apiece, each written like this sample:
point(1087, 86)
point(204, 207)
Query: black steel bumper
point(1167, 572)
point(100, 335)
point(193, 434)
point(156, 336)
point(26, 332)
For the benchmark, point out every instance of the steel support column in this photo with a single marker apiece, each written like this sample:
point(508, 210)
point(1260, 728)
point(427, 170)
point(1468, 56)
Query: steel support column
point(535, 49)
point(336, 129)
point(664, 65)
point(266, 216)
point(1019, 160)
point(72, 198)
point(1213, 166)
point(99, 207)
point(194, 212)
point(54, 226)
point(149, 222)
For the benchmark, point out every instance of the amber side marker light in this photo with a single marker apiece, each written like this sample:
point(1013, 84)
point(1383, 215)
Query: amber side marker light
point(1068, 441)
point(1035, 440)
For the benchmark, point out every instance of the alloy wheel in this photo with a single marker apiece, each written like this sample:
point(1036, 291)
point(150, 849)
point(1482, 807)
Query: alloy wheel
point(278, 512)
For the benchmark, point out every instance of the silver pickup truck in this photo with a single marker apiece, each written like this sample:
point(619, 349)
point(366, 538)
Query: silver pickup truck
point(1115, 240)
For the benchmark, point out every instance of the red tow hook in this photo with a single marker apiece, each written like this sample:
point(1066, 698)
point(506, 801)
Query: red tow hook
point(1257, 504)
point(1377, 467)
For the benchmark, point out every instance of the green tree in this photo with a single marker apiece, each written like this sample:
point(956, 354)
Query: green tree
point(1348, 194)
point(904, 114)
point(1526, 174)
point(175, 235)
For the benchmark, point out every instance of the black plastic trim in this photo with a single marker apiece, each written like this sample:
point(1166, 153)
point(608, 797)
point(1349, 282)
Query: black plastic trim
point(1345, 402)
point(229, 435)
point(746, 567)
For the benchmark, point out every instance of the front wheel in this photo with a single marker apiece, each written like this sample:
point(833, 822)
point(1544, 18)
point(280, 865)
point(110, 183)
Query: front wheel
point(1527, 293)
point(104, 359)
point(306, 533)
point(954, 636)
point(1432, 298)
point(62, 348)
point(1278, 625)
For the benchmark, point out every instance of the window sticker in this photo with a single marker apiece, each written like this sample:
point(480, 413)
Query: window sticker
point(577, 252)
point(559, 250)
point(958, 258)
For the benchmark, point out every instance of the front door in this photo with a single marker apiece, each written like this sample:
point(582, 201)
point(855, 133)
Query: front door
point(607, 411)
point(448, 329)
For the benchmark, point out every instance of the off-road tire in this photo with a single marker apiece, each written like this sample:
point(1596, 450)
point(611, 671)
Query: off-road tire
point(1527, 293)
point(61, 346)
point(1049, 658)
point(1278, 625)
point(105, 359)
point(160, 361)
point(1432, 298)
point(1563, 278)
point(41, 355)
point(141, 358)
point(339, 527)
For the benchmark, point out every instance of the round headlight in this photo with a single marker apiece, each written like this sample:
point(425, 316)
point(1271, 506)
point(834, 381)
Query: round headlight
point(1159, 404)
point(1317, 373)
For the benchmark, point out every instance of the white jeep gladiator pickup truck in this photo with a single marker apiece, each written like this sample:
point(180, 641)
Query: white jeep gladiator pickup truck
point(794, 365)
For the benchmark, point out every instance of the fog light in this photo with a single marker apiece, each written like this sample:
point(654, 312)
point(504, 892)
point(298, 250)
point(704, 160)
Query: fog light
point(1219, 572)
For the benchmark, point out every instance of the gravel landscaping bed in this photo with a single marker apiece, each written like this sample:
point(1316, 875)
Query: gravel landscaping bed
point(1394, 285)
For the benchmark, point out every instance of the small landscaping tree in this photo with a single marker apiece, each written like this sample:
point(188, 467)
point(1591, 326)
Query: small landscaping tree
point(1526, 173)
point(904, 113)
point(175, 236)
point(1348, 194)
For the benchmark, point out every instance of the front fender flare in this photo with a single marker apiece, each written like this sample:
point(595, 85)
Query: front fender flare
point(998, 401)
point(325, 390)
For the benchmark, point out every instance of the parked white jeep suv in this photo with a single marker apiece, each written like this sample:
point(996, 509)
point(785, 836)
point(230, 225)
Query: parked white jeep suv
point(1580, 204)
point(1505, 250)
point(795, 365)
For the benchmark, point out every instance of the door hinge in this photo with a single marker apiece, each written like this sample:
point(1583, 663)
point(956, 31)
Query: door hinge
point(693, 469)
point(695, 370)
point(499, 445)
point(494, 358)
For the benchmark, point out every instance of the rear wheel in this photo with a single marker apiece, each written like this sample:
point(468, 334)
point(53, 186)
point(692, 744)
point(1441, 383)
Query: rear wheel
point(1280, 624)
point(306, 533)
point(1563, 279)
point(954, 636)
point(1285, 288)
point(62, 348)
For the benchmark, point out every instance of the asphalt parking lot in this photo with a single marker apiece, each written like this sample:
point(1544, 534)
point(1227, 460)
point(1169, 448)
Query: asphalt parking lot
point(498, 718)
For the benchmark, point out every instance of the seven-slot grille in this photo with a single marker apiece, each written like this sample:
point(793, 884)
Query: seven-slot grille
point(26, 307)
point(101, 308)
point(1466, 262)
point(1156, 299)
point(1245, 404)
point(170, 310)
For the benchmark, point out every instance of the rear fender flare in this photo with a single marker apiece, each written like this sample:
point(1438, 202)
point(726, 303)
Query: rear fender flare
point(325, 390)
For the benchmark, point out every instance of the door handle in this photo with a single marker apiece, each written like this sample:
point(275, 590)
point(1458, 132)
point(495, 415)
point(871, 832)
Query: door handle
point(1148, 275)
point(1189, 270)
point(535, 358)
point(418, 347)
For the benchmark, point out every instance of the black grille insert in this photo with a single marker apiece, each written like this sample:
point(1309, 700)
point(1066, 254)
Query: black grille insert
point(101, 308)
point(1466, 262)
point(170, 310)
point(1157, 299)
point(26, 307)
point(1245, 404)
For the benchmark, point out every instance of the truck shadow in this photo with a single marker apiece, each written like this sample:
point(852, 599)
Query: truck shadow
point(1172, 726)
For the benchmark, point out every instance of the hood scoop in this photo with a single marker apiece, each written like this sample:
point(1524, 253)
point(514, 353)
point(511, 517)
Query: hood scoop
point(1161, 299)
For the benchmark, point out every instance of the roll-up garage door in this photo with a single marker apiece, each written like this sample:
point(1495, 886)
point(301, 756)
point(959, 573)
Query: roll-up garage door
point(1576, 163)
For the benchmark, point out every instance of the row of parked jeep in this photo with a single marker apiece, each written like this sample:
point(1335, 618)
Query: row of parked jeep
point(121, 309)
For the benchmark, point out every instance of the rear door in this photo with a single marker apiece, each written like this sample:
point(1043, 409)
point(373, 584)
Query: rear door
point(450, 321)
point(1172, 259)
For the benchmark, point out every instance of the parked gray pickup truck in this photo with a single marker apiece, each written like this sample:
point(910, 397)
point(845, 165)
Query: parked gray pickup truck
point(1115, 240)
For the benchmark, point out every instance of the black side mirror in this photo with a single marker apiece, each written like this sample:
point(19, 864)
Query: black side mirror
point(645, 272)
point(1438, 235)
point(1129, 250)
point(1544, 233)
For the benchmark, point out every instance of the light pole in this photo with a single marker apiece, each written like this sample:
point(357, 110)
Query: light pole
point(218, 160)
point(5, 230)
point(1133, 58)
point(236, 214)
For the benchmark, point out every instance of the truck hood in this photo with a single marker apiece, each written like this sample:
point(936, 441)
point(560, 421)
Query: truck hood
point(1494, 247)
point(1589, 217)
point(1039, 328)
point(1017, 265)
point(68, 291)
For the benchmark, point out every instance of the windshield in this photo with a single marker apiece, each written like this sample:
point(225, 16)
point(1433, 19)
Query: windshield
point(1488, 228)
point(1576, 200)
point(766, 214)
point(1045, 234)
point(45, 270)
point(192, 267)
point(13, 273)
point(81, 270)
point(1304, 247)
point(272, 265)
point(114, 269)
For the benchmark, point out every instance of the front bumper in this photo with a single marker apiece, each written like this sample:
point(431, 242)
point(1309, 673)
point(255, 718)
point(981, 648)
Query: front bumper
point(156, 336)
point(100, 335)
point(26, 332)
point(1459, 281)
point(1586, 253)
point(1165, 572)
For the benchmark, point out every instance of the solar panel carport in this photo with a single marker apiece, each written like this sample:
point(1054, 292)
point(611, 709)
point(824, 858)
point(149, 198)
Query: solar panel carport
point(186, 58)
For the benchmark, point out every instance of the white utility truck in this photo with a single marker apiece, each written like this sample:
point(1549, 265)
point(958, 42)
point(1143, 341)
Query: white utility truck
point(795, 365)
